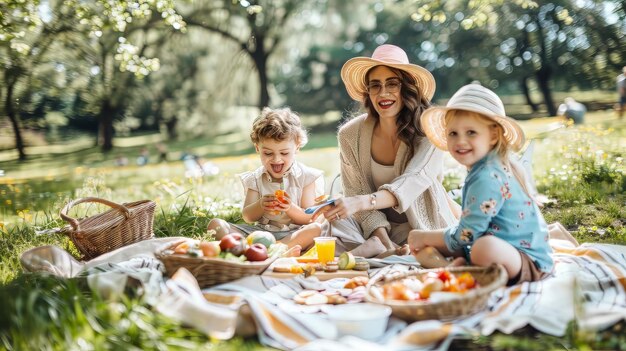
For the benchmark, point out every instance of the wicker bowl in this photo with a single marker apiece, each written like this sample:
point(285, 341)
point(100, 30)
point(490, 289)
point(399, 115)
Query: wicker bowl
point(460, 305)
point(210, 271)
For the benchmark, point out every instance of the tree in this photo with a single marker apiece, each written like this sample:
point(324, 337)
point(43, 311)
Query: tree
point(26, 36)
point(172, 95)
point(114, 27)
point(257, 27)
point(543, 40)
point(24, 42)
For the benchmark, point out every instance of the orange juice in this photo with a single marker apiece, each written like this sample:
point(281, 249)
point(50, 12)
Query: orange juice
point(325, 247)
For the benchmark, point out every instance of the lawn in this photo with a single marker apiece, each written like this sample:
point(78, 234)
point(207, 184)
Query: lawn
point(580, 168)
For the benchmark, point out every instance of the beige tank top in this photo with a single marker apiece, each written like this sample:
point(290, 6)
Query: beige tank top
point(383, 174)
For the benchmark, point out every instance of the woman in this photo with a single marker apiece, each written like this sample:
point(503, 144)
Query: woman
point(391, 173)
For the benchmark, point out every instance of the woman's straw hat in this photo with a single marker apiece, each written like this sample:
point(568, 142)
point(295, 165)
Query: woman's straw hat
point(474, 98)
point(354, 72)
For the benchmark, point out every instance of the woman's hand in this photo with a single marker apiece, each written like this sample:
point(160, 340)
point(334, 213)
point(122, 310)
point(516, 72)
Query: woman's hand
point(343, 207)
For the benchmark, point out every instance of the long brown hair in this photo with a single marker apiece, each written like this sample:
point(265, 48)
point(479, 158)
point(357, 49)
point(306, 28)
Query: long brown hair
point(408, 121)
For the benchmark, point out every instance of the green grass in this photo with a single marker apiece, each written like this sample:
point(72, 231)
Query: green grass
point(580, 167)
point(47, 313)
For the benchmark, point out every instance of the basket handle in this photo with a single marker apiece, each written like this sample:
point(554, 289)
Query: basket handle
point(74, 222)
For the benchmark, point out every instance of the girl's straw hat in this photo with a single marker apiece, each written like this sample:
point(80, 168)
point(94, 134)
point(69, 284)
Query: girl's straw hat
point(474, 98)
point(354, 71)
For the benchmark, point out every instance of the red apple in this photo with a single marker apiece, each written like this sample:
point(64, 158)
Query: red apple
point(256, 252)
point(229, 241)
point(240, 248)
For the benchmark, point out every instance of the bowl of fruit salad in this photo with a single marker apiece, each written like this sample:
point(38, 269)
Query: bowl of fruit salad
point(442, 294)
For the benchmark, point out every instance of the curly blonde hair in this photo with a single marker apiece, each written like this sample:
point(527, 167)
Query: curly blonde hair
point(278, 124)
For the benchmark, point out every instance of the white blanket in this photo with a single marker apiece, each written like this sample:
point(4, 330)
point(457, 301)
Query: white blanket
point(588, 286)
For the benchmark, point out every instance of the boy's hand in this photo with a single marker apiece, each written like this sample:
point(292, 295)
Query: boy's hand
point(283, 201)
point(269, 204)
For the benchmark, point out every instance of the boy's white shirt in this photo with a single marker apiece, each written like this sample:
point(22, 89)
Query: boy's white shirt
point(294, 181)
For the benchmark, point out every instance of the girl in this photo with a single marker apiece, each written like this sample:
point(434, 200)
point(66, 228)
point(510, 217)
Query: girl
point(500, 222)
point(278, 135)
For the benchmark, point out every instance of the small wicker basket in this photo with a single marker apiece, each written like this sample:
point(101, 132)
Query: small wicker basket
point(122, 225)
point(210, 271)
point(489, 279)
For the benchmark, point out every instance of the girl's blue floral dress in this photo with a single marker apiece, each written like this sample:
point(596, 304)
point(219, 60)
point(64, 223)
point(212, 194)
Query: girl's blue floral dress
point(494, 203)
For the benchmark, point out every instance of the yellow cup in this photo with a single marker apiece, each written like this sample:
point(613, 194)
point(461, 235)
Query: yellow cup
point(325, 247)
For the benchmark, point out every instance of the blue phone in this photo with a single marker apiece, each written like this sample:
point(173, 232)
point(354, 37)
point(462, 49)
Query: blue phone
point(312, 209)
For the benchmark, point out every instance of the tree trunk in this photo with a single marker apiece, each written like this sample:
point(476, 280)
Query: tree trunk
point(171, 128)
point(105, 127)
point(15, 122)
point(264, 96)
point(260, 60)
point(526, 92)
point(544, 73)
point(543, 79)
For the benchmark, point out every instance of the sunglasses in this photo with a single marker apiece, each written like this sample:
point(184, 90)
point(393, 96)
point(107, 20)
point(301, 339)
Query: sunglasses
point(391, 86)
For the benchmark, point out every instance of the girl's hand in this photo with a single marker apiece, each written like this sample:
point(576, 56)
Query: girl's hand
point(415, 240)
point(427, 256)
point(418, 240)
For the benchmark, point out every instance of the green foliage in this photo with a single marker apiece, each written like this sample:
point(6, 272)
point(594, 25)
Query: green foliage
point(583, 170)
point(530, 339)
point(596, 233)
point(583, 159)
point(46, 313)
point(15, 239)
point(479, 12)
point(188, 220)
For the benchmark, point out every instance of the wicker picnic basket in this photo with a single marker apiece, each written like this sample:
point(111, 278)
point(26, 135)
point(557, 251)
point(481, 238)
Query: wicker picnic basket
point(489, 279)
point(120, 226)
point(209, 271)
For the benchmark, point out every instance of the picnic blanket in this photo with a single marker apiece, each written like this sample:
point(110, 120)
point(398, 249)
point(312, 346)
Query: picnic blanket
point(588, 286)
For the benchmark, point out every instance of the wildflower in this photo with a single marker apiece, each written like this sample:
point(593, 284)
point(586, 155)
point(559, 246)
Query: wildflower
point(199, 213)
point(25, 215)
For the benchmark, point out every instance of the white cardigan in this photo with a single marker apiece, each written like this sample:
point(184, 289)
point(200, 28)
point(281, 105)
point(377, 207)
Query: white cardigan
point(418, 188)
